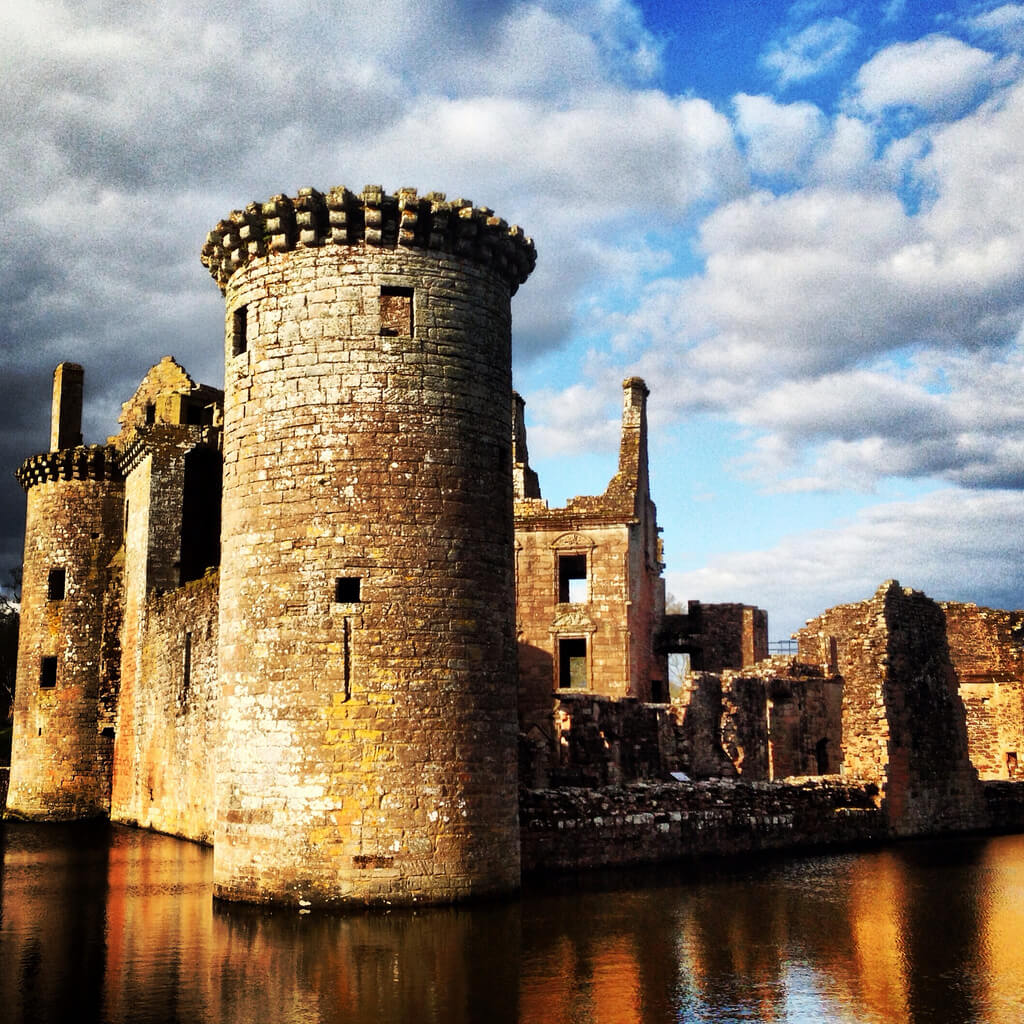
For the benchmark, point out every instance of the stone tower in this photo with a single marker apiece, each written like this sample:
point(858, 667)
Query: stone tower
point(66, 685)
point(367, 658)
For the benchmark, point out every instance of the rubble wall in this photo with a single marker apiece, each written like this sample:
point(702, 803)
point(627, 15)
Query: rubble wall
point(987, 649)
point(571, 829)
point(903, 721)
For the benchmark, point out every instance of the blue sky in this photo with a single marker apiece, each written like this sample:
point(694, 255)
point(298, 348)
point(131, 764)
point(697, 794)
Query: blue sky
point(801, 223)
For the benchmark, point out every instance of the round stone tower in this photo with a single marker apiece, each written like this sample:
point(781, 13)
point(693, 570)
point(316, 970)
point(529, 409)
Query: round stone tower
point(368, 715)
point(66, 685)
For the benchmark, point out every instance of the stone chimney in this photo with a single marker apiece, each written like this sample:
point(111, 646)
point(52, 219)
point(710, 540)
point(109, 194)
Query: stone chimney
point(66, 418)
point(524, 480)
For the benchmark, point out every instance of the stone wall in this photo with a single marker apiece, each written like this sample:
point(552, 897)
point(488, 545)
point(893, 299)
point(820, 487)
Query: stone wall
point(987, 649)
point(601, 741)
point(903, 721)
point(543, 621)
point(171, 741)
point(733, 636)
point(571, 829)
point(717, 636)
point(155, 457)
point(701, 709)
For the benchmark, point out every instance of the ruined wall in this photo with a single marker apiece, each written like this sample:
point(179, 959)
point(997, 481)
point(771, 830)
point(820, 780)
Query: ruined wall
point(733, 636)
point(168, 750)
point(903, 722)
point(805, 725)
point(987, 649)
point(154, 457)
point(61, 749)
point(572, 829)
point(700, 706)
point(602, 741)
point(614, 614)
point(367, 594)
point(543, 621)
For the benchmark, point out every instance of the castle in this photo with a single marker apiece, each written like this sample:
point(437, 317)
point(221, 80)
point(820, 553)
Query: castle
point(324, 620)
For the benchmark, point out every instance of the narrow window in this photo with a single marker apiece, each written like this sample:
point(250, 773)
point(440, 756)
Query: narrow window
point(150, 413)
point(572, 579)
point(186, 668)
point(56, 584)
point(346, 589)
point(239, 331)
point(396, 316)
point(821, 756)
point(1011, 764)
point(572, 663)
point(48, 672)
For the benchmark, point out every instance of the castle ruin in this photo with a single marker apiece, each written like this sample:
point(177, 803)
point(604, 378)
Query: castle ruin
point(324, 620)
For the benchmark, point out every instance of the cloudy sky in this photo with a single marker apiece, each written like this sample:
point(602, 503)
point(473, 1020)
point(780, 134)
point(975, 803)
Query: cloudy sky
point(802, 223)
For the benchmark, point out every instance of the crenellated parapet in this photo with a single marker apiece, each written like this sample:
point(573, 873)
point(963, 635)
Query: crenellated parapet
point(403, 220)
point(86, 462)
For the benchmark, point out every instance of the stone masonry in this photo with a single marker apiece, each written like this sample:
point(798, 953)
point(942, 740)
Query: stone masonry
point(366, 590)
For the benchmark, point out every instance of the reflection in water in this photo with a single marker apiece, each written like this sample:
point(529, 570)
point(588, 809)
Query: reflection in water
point(103, 923)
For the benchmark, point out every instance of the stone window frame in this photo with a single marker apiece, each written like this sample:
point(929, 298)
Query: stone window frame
point(397, 289)
point(587, 636)
point(239, 335)
point(572, 545)
point(49, 668)
point(343, 590)
point(56, 583)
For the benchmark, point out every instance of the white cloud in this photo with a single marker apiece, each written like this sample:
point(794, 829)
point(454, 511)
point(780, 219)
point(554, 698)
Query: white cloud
point(1001, 24)
point(953, 544)
point(780, 138)
point(572, 422)
point(812, 51)
point(939, 75)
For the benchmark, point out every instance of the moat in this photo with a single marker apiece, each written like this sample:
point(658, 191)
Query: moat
point(102, 923)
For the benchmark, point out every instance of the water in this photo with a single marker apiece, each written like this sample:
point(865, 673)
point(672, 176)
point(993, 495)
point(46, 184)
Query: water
point(101, 923)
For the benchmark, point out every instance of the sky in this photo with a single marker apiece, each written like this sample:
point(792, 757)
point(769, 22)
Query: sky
point(801, 223)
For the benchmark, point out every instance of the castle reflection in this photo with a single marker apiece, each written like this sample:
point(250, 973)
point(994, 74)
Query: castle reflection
point(102, 923)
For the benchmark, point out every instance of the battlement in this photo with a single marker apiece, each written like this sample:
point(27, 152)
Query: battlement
point(86, 462)
point(341, 217)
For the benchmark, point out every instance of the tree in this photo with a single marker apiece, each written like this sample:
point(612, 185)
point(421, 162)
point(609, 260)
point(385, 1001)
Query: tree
point(10, 603)
point(678, 664)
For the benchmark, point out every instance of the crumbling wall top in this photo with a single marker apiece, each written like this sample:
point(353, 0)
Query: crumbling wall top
point(341, 217)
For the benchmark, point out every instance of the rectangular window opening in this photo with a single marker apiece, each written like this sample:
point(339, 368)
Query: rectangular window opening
point(572, 579)
point(239, 331)
point(346, 589)
point(186, 668)
point(572, 663)
point(56, 584)
point(396, 311)
point(150, 413)
point(48, 672)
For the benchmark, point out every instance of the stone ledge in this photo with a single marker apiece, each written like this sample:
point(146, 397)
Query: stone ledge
point(403, 220)
point(86, 462)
